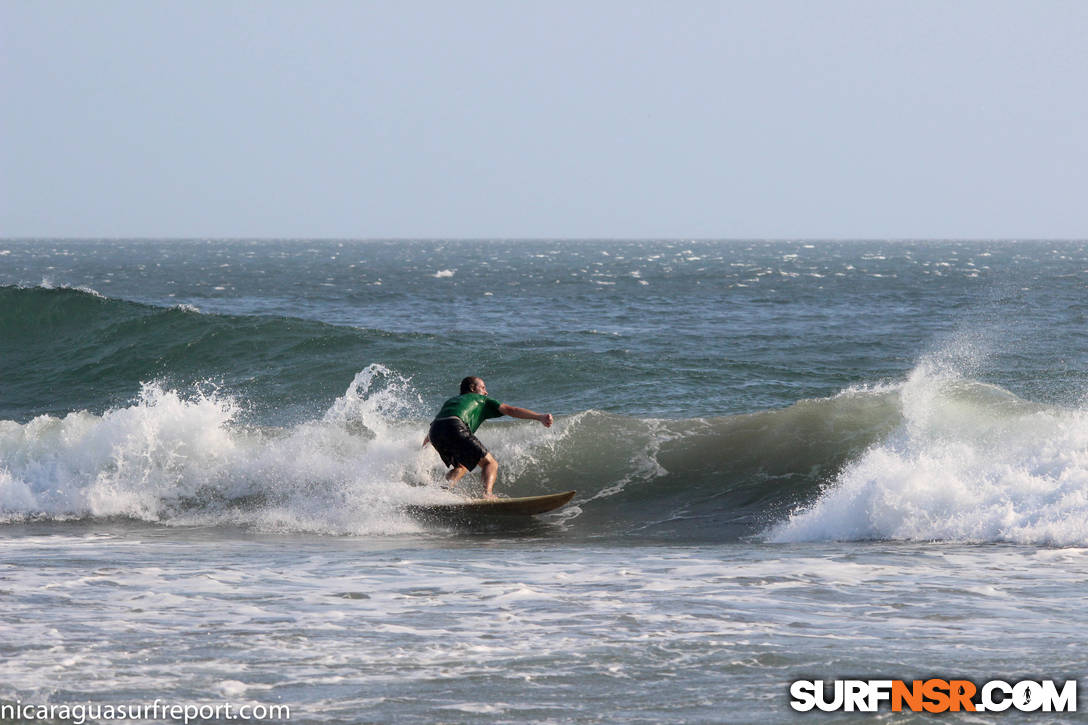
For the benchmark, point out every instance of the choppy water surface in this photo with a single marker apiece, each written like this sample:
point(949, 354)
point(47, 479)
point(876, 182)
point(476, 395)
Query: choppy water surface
point(794, 460)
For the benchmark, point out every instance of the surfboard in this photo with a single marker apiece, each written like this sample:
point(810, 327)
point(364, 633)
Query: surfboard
point(489, 507)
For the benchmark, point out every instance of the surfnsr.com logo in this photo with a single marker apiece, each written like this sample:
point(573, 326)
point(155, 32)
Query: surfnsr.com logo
point(933, 695)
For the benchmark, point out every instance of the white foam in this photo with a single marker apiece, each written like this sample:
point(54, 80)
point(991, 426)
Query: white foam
point(48, 283)
point(186, 459)
point(970, 462)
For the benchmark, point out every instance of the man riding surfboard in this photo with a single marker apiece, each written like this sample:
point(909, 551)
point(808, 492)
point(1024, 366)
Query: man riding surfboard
point(453, 432)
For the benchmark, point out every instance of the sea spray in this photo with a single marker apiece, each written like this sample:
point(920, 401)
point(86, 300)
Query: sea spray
point(127, 462)
point(970, 462)
point(183, 459)
point(374, 398)
point(187, 458)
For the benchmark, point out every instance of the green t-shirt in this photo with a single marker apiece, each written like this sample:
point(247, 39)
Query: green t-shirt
point(472, 408)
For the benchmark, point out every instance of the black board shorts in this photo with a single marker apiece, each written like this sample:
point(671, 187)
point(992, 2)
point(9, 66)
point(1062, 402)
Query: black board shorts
point(456, 443)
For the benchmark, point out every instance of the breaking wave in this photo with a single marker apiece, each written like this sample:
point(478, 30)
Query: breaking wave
point(937, 457)
point(968, 462)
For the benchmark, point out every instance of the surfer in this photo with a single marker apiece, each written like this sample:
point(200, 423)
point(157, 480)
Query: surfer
point(453, 432)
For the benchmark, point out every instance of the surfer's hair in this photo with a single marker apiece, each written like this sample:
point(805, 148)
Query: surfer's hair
point(467, 383)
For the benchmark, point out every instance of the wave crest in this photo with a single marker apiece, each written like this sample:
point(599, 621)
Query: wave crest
point(970, 462)
point(937, 457)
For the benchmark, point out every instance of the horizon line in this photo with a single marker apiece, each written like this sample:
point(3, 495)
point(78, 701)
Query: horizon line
point(203, 238)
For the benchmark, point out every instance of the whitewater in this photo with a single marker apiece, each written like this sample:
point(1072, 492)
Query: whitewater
point(793, 460)
point(947, 459)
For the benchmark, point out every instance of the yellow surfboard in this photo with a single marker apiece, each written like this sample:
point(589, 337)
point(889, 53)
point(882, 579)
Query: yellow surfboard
point(488, 507)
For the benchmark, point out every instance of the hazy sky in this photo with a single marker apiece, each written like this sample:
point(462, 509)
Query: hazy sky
point(284, 118)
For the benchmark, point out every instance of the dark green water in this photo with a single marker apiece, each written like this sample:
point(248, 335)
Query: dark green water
point(668, 329)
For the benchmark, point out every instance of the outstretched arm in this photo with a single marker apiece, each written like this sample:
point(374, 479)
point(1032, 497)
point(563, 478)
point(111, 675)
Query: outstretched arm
point(426, 441)
point(513, 411)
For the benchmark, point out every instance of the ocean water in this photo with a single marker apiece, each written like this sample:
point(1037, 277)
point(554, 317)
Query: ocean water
point(794, 460)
